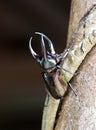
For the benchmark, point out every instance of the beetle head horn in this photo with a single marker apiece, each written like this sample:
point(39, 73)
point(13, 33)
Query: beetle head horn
point(52, 51)
point(43, 60)
point(34, 54)
point(46, 53)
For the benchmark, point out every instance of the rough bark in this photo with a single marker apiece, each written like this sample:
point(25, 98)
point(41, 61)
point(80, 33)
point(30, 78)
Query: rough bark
point(78, 9)
point(80, 113)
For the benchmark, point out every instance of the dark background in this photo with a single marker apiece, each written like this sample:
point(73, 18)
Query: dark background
point(22, 92)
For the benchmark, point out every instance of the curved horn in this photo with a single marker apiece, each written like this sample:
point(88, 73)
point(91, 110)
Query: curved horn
point(46, 63)
point(49, 42)
point(43, 48)
point(44, 54)
point(35, 55)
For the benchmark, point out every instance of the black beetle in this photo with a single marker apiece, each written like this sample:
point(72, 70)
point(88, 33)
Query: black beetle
point(50, 61)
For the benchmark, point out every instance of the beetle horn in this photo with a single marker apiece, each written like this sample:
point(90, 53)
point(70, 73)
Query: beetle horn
point(43, 60)
point(46, 63)
point(44, 53)
point(34, 54)
point(49, 42)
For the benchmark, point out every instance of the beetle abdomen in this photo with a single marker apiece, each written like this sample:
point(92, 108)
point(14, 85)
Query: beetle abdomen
point(55, 87)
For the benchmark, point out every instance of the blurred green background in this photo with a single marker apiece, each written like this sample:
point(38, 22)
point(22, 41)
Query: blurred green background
point(22, 91)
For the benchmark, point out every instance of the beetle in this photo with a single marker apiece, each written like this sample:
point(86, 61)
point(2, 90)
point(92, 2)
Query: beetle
point(50, 61)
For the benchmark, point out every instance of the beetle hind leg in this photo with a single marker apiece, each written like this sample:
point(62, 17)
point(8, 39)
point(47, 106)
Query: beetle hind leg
point(70, 85)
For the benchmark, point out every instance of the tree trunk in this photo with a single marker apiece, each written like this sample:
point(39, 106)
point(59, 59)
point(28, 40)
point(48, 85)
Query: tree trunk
point(79, 113)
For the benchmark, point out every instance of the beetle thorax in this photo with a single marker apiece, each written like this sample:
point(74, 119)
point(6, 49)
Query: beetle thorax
point(50, 62)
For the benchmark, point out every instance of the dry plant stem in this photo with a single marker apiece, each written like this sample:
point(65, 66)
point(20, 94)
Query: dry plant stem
point(85, 38)
point(49, 113)
point(80, 113)
point(78, 9)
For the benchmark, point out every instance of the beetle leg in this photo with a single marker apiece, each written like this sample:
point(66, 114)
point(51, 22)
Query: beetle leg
point(70, 85)
point(65, 53)
point(64, 69)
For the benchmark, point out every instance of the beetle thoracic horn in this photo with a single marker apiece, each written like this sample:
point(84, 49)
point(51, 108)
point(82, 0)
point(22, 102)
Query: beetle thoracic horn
point(49, 42)
point(34, 54)
point(44, 50)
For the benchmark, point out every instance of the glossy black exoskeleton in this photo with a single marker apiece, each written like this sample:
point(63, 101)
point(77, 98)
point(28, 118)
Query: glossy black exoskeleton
point(50, 61)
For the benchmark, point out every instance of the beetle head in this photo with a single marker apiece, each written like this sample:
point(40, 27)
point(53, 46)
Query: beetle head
point(48, 58)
